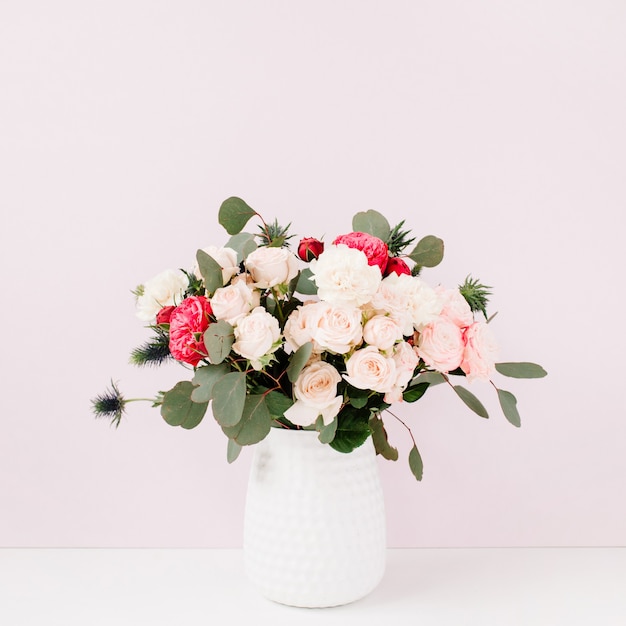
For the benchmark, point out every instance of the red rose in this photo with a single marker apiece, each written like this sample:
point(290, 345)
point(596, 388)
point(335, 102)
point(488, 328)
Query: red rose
point(163, 316)
point(310, 248)
point(375, 249)
point(188, 322)
point(397, 265)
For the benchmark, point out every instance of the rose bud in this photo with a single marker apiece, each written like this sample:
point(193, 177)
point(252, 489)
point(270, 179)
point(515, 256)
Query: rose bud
point(310, 248)
point(397, 265)
point(163, 316)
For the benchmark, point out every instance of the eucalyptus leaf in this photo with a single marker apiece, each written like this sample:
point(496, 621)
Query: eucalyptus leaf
point(298, 360)
point(218, 339)
point(277, 403)
point(229, 396)
point(232, 451)
point(328, 431)
point(471, 401)
point(204, 379)
point(305, 284)
point(508, 402)
point(255, 423)
point(432, 378)
point(178, 409)
point(211, 271)
point(415, 463)
point(234, 214)
point(372, 223)
point(428, 252)
point(381, 442)
point(521, 370)
point(243, 244)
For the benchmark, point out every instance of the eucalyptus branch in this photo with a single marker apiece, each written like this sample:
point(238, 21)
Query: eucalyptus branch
point(403, 424)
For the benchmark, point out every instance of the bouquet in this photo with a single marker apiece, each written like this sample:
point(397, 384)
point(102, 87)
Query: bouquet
point(323, 337)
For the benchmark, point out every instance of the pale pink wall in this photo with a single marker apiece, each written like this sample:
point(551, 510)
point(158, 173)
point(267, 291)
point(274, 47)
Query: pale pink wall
point(498, 126)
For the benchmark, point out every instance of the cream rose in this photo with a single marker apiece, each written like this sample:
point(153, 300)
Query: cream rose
point(235, 301)
point(480, 354)
point(256, 336)
point(226, 258)
point(272, 266)
point(338, 329)
point(165, 289)
point(382, 331)
point(406, 361)
point(392, 299)
point(369, 369)
point(316, 394)
point(455, 307)
point(343, 276)
point(441, 345)
point(303, 323)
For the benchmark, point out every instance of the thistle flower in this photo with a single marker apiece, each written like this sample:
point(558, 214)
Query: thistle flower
point(398, 239)
point(110, 405)
point(274, 235)
point(476, 295)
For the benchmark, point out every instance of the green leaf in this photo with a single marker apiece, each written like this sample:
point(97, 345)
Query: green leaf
point(277, 403)
point(381, 442)
point(178, 409)
point(243, 244)
point(229, 396)
point(432, 378)
point(415, 392)
point(521, 370)
point(234, 215)
point(232, 451)
point(428, 252)
point(358, 402)
point(255, 423)
point(305, 284)
point(471, 401)
point(373, 223)
point(211, 271)
point(218, 339)
point(415, 463)
point(352, 429)
point(508, 402)
point(327, 432)
point(204, 379)
point(298, 360)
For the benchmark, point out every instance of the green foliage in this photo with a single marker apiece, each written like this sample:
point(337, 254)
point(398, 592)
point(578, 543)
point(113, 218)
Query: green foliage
point(328, 431)
point(232, 451)
point(204, 379)
point(471, 401)
point(178, 409)
point(305, 284)
point(398, 239)
point(234, 214)
point(380, 439)
point(243, 244)
point(255, 422)
point(428, 252)
point(109, 405)
point(508, 402)
point(154, 351)
point(211, 271)
point(415, 391)
point(298, 360)
point(277, 404)
point(274, 235)
point(229, 396)
point(415, 463)
point(372, 223)
point(476, 295)
point(352, 429)
point(218, 339)
point(521, 370)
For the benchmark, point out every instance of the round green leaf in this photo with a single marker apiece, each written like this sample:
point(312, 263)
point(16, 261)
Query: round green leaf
point(218, 339)
point(229, 396)
point(204, 379)
point(211, 271)
point(305, 284)
point(178, 409)
point(234, 215)
point(372, 223)
point(255, 423)
point(243, 244)
point(428, 252)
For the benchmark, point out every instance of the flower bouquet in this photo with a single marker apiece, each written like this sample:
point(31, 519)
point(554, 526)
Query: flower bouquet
point(322, 337)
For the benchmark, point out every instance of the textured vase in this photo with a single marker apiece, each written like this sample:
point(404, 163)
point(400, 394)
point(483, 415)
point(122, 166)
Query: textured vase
point(314, 531)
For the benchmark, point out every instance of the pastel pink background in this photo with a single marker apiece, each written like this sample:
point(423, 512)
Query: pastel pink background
point(498, 126)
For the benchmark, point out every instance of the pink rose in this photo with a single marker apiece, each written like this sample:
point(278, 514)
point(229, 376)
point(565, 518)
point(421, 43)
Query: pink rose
point(479, 356)
point(397, 265)
point(310, 248)
point(188, 322)
point(375, 249)
point(441, 345)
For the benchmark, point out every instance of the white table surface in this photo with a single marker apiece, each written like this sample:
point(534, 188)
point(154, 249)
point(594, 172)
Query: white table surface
point(188, 587)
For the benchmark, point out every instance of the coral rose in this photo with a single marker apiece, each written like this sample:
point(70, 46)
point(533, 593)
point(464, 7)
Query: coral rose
point(188, 322)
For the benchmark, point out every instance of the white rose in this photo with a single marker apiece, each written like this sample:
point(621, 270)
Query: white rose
point(391, 298)
point(343, 276)
point(339, 329)
point(441, 345)
point(481, 352)
point(235, 301)
point(406, 361)
point(382, 331)
point(256, 335)
point(165, 289)
point(303, 323)
point(455, 307)
point(226, 258)
point(423, 302)
point(272, 266)
point(316, 394)
point(369, 369)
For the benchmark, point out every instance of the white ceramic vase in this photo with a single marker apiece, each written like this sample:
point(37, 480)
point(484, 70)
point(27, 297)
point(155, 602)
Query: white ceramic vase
point(314, 531)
